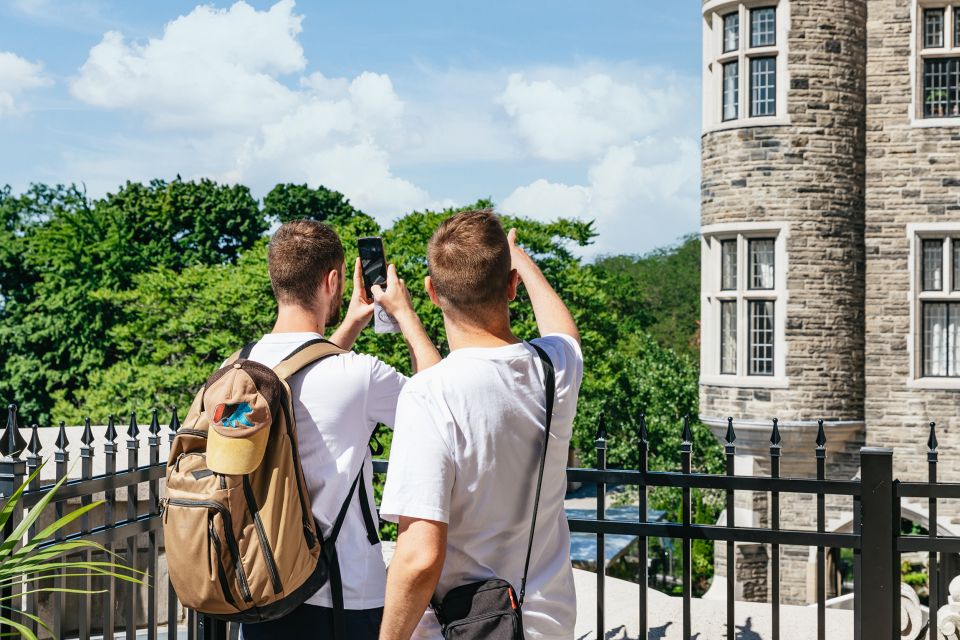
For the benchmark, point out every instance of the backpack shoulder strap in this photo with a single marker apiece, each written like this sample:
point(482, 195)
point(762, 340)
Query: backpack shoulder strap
point(307, 353)
point(241, 354)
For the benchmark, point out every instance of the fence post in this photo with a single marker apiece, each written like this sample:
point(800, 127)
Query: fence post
point(601, 445)
point(880, 587)
point(12, 471)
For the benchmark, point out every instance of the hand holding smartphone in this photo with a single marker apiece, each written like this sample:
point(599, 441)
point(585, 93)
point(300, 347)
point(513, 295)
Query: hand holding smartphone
point(373, 264)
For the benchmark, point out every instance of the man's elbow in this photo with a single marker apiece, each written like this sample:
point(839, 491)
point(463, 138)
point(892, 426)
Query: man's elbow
point(423, 561)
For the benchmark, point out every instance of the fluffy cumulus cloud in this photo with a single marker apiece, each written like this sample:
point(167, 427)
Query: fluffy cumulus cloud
point(18, 76)
point(228, 93)
point(211, 68)
point(232, 83)
point(636, 133)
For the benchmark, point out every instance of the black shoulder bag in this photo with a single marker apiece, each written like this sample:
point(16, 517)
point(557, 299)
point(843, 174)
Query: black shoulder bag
point(491, 609)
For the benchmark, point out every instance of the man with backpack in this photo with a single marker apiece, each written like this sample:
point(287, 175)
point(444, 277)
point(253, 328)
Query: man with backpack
point(477, 470)
point(337, 398)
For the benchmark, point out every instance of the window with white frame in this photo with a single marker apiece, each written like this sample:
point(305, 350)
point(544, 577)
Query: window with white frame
point(743, 314)
point(937, 311)
point(937, 37)
point(744, 47)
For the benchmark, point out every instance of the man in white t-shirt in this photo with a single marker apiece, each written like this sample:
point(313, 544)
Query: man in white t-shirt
point(338, 402)
point(468, 438)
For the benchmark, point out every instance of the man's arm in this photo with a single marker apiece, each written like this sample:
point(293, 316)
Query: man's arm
point(358, 313)
point(551, 314)
point(413, 575)
point(395, 300)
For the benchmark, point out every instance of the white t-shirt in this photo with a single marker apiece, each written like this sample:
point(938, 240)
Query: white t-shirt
point(338, 403)
point(466, 451)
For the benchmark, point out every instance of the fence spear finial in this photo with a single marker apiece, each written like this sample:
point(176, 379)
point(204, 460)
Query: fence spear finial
point(154, 423)
point(821, 436)
point(644, 433)
point(775, 436)
point(62, 441)
point(602, 426)
point(731, 436)
point(87, 437)
point(8, 443)
point(133, 430)
point(111, 434)
point(174, 423)
point(932, 443)
point(34, 446)
point(687, 435)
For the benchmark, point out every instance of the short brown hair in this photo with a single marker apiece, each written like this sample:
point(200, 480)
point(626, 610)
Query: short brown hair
point(302, 253)
point(469, 260)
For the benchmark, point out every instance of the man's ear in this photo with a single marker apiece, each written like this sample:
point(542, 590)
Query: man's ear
point(332, 282)
point(513, 284)
point(428, 285)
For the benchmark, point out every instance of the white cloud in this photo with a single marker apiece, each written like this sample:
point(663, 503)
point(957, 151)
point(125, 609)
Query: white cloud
point(576, 114)
point(636, 134)
point(211, 68)
point(229, 94)
point(642, 194)
point(233, 84)
point(17, 76)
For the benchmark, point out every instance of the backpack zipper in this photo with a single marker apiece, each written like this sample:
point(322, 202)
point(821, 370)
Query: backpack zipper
point(192, 432)
point(304, 505)
point(261, 534)
point(221, 574)
point(231, 541)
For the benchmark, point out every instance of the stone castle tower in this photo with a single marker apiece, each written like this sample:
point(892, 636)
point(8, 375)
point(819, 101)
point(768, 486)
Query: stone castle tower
point(830, 190)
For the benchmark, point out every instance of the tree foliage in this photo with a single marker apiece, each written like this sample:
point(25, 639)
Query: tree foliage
point(128, 302)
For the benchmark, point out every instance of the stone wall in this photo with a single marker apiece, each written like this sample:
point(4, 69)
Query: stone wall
point(809, 173)
point(913, 176)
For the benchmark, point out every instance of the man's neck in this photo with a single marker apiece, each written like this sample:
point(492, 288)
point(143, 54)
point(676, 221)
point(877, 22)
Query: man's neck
point(293, 319)
point(462, 335)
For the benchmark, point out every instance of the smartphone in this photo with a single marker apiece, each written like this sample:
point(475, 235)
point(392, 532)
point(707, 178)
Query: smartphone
point(372, 262)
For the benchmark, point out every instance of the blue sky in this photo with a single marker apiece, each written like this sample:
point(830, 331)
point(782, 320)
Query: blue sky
point(552, 108)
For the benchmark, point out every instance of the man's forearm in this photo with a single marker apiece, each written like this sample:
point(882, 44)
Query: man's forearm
point(423, 354)
point(549, 310)
point(408, 593)
point(347, 333)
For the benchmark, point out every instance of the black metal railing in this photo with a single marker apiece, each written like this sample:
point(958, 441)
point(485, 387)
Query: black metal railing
point(875, 505)
point(875, 502)
point(120, 527)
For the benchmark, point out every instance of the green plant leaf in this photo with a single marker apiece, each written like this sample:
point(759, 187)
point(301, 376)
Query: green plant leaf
point(11, 504)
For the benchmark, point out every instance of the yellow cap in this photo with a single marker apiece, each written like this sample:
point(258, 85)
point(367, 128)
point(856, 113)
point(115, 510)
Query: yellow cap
point(239, 415)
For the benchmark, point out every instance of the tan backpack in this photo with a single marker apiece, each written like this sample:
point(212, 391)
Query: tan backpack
point(242, 544)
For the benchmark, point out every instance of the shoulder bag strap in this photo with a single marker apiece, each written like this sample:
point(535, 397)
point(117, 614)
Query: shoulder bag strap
point(549, 380)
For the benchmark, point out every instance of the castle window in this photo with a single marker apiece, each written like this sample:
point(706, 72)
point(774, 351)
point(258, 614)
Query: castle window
point(731, 32)
point(933, 28)
point(935, 316)
point(763, 27)
point(763, 87)
point(956, 27)
point(731, 90)
point(938, 46)
point(743, 325)
point(745, 79)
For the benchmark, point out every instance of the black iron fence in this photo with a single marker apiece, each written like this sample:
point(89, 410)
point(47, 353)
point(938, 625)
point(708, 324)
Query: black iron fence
point(131, 527)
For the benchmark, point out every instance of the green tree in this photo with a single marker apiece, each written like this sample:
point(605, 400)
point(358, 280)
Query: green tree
point(660, 291)
point(287, 202)
point(67, 248)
